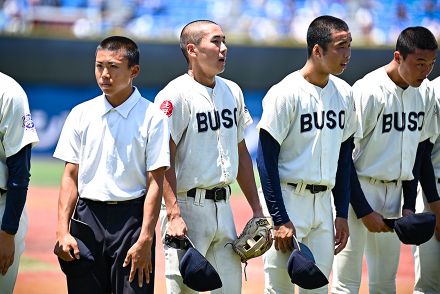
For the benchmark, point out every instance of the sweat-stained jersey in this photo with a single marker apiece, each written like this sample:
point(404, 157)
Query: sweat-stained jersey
point(207, 125)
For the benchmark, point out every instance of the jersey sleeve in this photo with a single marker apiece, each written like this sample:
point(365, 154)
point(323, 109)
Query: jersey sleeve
point(158, 142)
point(69, 143)
point(16, 126)
point(367, 107)
point(244, 119)
point(174, 105)
point(277, 114)
point(431, 121)
point(351, 120)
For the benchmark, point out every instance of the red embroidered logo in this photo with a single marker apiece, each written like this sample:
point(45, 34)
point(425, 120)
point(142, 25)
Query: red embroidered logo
point(167, 107)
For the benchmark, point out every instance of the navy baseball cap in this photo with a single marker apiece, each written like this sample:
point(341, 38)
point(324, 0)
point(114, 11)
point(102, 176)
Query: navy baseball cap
point(85, 239)
point(197, 273)
point(414, 229)
point(302, 268)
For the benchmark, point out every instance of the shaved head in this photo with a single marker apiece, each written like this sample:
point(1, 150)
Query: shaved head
point(193, 33)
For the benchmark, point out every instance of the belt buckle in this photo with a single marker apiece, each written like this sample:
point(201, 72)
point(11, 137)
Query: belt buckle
point(218, 195)
point(112, 202)
point(312, 189)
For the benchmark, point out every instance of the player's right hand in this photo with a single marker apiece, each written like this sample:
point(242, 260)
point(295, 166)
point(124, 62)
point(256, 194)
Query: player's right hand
point(375, 224)
point(7, 250)
point(177, 227)
point(283, 237)
point(66, 248)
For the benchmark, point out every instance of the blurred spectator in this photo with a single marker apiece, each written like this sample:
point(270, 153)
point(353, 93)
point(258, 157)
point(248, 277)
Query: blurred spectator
point(372, 22)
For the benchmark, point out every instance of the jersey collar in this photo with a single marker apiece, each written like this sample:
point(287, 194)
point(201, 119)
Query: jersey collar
point(312, 89)
point(202, 89)
point(123, 109)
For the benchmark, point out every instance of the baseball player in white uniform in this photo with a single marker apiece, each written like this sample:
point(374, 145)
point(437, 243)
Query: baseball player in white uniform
point(207, 117)
point(397, 111)
point(116, 149)
point(427, 255)
point(305, 141)
point(17, 135)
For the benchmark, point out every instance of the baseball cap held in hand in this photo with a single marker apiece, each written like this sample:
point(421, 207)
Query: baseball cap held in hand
point(302, 268)
point(413, 229)
point(197, 273)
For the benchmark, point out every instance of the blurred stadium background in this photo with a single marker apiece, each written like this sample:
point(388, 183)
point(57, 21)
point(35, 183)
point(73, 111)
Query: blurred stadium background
point(48, 45)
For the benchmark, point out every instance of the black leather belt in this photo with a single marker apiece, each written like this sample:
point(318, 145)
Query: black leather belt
point(312, 188)
point(126, 202)
point(2, 191)
point(438, 180)
point(216, 194)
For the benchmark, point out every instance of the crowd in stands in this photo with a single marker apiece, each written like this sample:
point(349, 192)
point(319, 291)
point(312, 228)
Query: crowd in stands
point(372, 22)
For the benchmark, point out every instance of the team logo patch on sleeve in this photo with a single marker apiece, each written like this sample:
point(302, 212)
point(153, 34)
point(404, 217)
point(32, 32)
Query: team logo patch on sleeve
point(28, 123)
point(167, 107)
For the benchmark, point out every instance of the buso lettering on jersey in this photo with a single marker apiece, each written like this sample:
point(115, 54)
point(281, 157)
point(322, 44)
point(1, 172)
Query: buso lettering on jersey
point(329, 119)
point(214, 119)
point(391, 120)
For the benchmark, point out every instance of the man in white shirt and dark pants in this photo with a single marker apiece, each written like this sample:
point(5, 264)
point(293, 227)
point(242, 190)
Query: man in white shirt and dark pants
point(116, 151)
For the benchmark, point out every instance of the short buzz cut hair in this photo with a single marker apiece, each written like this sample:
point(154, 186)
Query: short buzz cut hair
point(116, 43)
point(320, 31)
point(413, 38)
point(191, 35)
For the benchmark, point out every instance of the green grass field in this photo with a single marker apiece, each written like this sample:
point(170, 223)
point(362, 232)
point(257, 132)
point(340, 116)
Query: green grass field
point(47, 172)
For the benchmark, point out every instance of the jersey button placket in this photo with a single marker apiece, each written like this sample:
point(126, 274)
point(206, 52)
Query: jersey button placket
point(404, 136)
point(322, 136)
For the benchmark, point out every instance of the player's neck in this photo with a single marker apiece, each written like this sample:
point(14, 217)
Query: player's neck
point(201, 78)
point(117, 99)
point(313, 75)
point(392, 70)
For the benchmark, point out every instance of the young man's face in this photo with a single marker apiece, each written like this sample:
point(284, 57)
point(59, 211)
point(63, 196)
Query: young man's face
point(112, 73)
point(211, 51)
point(336, 57)
point(416, 66)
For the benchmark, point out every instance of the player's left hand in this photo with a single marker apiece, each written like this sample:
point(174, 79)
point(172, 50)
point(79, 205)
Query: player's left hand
point(435, 207)
point(140, 257)
point(7, 250)
point(342, 234)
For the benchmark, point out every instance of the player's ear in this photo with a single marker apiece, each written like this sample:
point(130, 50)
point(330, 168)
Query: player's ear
point(135, 69)
point(397, 57)
point(317, 51)
point(191, 49)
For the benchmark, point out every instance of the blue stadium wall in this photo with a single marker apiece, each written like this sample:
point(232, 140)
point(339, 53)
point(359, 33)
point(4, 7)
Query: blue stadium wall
point(59, 74)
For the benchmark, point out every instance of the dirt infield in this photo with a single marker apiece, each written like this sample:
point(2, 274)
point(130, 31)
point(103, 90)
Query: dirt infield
point(40, 273)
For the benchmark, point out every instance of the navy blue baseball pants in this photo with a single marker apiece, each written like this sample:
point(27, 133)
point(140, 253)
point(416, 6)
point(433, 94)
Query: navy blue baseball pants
point(116, 228)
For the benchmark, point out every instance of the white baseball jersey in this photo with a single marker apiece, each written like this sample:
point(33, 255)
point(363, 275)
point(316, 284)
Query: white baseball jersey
point(16, 126)
point(435, 156)
point(309, 123)
point(207, 125)
point(114, 147)
point(394, 121)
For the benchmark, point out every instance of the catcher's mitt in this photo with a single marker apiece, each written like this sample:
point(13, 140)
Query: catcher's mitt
point(255, 239)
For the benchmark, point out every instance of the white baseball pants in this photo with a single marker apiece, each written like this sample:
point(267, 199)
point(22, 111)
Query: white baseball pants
point(7, 282)
point(382, 250)
point(426, 256)
point(312, 216)
point(210, 227)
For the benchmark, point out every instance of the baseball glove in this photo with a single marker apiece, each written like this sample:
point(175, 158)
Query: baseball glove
point(255, 239)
